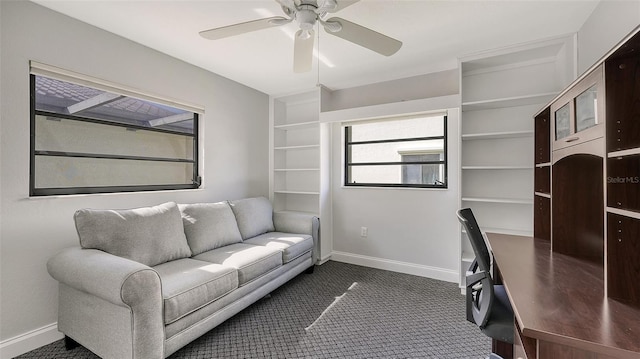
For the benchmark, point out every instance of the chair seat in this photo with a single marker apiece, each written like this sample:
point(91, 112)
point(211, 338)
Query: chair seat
point(291, 245)
point(189, 284)
point(500, 323)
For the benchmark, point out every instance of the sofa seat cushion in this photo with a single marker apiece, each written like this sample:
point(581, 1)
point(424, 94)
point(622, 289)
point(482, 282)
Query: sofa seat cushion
point(291, 245)
point(148, 235)
point(188, 285)
point(249, 260)
point(209, 226)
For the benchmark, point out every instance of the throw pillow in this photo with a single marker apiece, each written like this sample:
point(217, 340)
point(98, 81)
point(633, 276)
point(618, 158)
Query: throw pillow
point(254, 216)
point(149, 235)
point(209, 226)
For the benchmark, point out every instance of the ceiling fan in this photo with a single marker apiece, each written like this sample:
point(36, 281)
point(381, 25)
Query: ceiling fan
point(306, 13)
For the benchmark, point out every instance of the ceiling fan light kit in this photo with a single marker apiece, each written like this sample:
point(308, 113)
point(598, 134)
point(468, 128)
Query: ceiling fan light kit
point(306, 13)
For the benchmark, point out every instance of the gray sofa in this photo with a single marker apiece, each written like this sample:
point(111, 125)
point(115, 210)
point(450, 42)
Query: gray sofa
point(145, 282)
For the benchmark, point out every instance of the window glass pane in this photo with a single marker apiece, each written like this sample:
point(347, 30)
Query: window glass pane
point(586, 109)
point(398, 174)
point(396, 129)
point(67, 98)
point(562, 122)
point(391, 151)
point(63, 135)
point(67, 172)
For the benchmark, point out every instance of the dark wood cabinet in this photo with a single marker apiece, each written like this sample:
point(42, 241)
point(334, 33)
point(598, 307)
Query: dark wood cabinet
point(542, 140)
point(623, 182)
point(622, 72)
point(623, 250)
point(542, 218)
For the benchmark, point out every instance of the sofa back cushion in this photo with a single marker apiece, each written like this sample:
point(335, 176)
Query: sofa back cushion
point(149, 235)
point(209, 226)
point(254, 216)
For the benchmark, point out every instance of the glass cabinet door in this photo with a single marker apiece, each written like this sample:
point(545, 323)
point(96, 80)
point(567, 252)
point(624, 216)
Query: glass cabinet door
point(587, 109)
point(563, 122)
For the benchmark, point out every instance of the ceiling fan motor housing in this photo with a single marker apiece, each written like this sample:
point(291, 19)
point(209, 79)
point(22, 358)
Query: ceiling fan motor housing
point(306, 17)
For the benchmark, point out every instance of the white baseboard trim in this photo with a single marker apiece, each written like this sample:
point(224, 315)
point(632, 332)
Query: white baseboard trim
point(446, 275)
point(324, 259)
point(29, 341)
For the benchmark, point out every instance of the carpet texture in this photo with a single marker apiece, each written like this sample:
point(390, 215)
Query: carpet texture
point(340, 311)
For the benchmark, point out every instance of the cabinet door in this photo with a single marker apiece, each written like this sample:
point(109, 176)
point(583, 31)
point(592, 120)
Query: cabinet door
point(578, 115)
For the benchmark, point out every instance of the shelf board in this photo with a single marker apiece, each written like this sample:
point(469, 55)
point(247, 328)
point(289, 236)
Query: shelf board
point(540, 98)
point(295, 169)
point(297, 126)
point(498, 200)
point(298, 192)
point(497, 167)
point(515, 232)
point(304, 147)
point(624, 212)
point(467, 258)
point(510, 231)
point(496, 135)
point(298, 212)
point(541, 165)
point(623, 153)
point(541, 194)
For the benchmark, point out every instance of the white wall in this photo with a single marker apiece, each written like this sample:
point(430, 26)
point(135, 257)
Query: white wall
point(609, 23)
point(409, 230)
point(234, 156)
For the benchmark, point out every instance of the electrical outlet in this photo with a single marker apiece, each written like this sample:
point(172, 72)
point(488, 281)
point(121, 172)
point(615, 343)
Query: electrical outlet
point(363, 231)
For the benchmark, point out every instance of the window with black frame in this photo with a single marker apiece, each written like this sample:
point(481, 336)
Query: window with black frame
point(87, 140)
point(408, 151)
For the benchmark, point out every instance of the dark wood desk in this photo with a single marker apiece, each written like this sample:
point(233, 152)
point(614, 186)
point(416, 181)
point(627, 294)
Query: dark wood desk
point(559, 303)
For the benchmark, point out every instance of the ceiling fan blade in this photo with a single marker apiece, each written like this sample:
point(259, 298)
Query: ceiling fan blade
point(364, 37)
point(243, 27)
point(289, 6)
point(303, 51)
point(331, 6)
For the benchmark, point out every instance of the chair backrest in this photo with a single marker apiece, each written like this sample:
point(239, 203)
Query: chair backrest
point(468, 221)
point(479, 293)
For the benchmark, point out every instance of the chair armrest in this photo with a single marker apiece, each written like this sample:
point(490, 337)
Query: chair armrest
point(118, 280)
point(300, 223)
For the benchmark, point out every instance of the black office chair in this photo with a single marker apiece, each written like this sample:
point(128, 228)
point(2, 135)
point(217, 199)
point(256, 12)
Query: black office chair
point(487, 304)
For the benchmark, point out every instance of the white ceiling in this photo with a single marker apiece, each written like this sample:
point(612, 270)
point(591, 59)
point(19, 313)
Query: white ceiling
point(434, 35)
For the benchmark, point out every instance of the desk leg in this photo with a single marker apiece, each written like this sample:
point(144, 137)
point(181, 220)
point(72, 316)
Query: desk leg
point(505, 350)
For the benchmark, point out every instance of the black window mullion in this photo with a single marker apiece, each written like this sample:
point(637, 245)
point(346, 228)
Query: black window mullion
point(440, 162)
point(109, 157)
point(396, 140)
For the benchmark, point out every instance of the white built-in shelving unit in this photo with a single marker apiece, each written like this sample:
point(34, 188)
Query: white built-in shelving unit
point(500, 91)
point(298, 162)
point(295, 160)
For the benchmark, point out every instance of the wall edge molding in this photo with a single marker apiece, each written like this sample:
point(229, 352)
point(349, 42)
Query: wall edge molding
point(28, 341)
point(443, 274)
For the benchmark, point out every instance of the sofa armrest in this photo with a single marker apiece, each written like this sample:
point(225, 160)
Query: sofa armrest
point(122, 282)
point(299, 222)
point(104, 275)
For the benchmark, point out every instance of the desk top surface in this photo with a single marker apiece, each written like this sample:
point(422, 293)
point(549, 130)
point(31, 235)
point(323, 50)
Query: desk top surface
point(562, 299)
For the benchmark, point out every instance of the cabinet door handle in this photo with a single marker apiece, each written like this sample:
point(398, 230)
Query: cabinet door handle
point(572, 139)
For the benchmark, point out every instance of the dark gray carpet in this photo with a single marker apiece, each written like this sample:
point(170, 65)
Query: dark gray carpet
point(340, 311)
